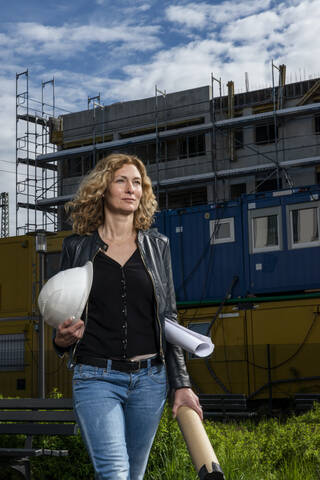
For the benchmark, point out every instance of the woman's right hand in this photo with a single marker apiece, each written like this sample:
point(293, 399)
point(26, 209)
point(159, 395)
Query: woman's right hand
point(69, 332)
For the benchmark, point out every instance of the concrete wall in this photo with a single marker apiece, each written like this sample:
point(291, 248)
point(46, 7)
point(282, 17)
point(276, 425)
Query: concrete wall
point(129, 116)
point(296, 138)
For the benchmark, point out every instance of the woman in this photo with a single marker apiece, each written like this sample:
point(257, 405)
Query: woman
point(122, 364)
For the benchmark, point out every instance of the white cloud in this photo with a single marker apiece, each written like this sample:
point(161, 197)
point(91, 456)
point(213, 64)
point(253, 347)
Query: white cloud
point(190, 15)
point(254, 32)
point(144, 7)
point(34, 39)
point(200, 15)
point(253, 28)
point(7, 119)
point(228, 39)
point(7, 144)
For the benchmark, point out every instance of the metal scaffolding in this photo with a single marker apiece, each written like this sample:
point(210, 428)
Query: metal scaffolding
point(34, 182)
point(229, 147)
point(4, 206)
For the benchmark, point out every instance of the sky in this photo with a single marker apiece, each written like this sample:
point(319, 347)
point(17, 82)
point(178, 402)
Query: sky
point(123, 48)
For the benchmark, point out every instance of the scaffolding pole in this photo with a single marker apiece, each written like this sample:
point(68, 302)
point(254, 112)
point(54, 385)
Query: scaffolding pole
point(156, 112)
point(214, 133)
point(275, 123)
point(4, 205)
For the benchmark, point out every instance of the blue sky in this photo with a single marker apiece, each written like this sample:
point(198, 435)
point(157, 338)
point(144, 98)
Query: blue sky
point(123, 48)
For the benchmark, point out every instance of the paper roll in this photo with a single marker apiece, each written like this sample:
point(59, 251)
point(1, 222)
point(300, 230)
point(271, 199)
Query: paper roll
point(200, 449)
point(191, 341)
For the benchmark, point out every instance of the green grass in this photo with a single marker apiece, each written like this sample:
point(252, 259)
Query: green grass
point(268, 449)
point(265, 449)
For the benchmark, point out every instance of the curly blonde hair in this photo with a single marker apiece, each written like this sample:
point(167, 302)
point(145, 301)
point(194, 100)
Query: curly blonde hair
point(86, 211)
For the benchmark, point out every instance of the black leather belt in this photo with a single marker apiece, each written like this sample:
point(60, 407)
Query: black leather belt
point(120, 365)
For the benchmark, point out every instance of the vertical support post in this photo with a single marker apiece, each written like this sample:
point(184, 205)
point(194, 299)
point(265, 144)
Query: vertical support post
point(269, 378)
point(101, 106)
point(42, 393)
point(28, 157)
point(230, 86)
point(213, 140)
point(157, 143)
point(17, 154)
point(92, 99)
point(53, 98)
point(41, 248)
point(22, 143)
point(246, 349)
point(275, 124)
point(48, 183)
point(213, 133)
point(163, 93)
point(4, 211)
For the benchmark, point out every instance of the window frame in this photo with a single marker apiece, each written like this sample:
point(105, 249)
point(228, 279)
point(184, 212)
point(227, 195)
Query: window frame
point(18, 353)
point(270, 133)
point(219, 241)
point(301, 206)
point(186, 147)
point(265, 212)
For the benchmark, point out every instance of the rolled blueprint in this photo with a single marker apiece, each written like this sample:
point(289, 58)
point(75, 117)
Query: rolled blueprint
point(192, 342)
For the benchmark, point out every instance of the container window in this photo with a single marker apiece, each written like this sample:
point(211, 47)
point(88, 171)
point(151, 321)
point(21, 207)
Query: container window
point(201, 328)
point(12, 350)
point(304, 227)
point(265, 232)
point(222, 230)
point(264, 229)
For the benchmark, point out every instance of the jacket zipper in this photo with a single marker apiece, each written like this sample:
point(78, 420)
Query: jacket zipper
point(155, 296)
point(86, 317)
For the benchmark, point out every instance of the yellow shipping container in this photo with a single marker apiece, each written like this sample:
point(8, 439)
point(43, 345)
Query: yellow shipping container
point(19, 318)
point(259, 344)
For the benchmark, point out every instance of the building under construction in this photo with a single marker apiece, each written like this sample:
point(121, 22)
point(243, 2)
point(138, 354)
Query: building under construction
point(199, 148)
point(253, 283)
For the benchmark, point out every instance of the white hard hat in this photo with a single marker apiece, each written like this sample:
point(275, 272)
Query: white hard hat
point(65, 294)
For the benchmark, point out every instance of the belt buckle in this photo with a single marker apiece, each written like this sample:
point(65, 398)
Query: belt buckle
point(136, 365)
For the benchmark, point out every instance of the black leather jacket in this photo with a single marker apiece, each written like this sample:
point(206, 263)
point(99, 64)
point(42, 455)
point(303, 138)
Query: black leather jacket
point(155, 252)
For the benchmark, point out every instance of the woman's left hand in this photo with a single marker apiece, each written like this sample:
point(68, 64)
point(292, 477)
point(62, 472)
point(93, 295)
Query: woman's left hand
point(186, 397)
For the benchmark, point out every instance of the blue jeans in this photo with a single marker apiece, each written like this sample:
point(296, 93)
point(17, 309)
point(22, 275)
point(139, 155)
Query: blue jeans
point(118, 414)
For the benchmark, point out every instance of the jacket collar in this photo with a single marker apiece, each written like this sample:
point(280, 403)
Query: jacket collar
point(140, 236)
point(99, 242)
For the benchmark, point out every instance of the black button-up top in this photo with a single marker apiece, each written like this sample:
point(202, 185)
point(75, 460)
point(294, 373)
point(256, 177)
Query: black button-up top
point(121, 310)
